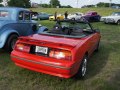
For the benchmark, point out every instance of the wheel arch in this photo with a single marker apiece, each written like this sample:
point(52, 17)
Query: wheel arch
point(5, 35)
point(118, 20)
point(86, 53)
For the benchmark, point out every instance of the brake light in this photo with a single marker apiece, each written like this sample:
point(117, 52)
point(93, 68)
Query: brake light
point(22, 47)
point(60, 54)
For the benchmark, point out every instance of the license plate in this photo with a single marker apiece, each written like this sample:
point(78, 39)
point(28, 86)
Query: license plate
point(43, 50)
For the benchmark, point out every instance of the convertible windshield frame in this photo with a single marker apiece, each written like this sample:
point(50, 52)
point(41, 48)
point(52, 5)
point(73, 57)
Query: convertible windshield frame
point(70, 35)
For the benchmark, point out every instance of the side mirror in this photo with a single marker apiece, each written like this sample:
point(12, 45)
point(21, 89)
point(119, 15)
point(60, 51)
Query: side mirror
point(40, 25)
point(97, 30)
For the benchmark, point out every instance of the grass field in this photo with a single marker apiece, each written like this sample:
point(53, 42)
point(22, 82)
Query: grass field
point(103, 67)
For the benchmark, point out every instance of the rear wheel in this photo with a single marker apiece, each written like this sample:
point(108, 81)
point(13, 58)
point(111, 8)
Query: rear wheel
point(73, 18)
point(10, 43)
point(83, 68)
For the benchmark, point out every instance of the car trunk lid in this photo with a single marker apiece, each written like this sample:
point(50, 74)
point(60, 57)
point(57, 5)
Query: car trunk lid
point(51, 41)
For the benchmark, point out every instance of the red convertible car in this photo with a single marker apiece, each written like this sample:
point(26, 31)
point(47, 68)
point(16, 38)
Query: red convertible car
point(62, 51)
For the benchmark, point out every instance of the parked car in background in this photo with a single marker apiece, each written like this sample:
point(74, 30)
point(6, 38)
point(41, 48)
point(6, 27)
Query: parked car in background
point(62, 51)
point(114, 18)
point(34, 15)
point(15, 22)
point(43, 16)
point(92, 16)
point(59, 17)
point(116, 7)
point(75, 16)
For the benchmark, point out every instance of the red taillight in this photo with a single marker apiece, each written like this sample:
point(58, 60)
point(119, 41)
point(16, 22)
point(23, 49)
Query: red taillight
point(22, 47)
point(60, 54)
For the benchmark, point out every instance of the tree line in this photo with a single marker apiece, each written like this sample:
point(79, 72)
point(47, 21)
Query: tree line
point(27, 4)
point(102, 4)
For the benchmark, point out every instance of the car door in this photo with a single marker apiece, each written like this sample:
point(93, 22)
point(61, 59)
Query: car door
point(78, 16)
point(93, 38)
point(25, 25)
point(28, 24)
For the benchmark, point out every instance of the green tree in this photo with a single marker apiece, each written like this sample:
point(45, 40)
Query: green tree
point(1, 1)
point(102, 4)
point(55, 3)
point(19, 3)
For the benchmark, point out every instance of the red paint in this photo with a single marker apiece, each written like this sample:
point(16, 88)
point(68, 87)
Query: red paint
point(75, 50)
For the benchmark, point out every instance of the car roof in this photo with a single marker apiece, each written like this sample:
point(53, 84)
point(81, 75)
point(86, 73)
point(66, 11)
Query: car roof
point(13, 8)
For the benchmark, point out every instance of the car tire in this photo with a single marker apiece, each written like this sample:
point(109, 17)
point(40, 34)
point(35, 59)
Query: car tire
point(118, 22)
point(82, 69)
point(9, 45)
point(105, 22)
point(73, 18)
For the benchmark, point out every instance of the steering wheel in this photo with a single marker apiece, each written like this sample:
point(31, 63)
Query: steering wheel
point(57, 27)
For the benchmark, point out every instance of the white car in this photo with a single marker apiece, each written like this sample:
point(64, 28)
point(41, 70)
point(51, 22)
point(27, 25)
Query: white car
point(114, 18)
point(75, 16)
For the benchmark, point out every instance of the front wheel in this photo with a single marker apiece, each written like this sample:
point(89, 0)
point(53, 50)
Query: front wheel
point(83, 68)
point(10, 43)
point(118, 22)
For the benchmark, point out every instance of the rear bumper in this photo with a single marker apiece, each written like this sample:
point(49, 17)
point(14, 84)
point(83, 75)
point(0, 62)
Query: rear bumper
point(58, 69)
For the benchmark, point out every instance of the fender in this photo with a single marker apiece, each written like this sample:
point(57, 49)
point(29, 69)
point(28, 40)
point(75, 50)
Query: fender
point(42, 29)
point(4, 35)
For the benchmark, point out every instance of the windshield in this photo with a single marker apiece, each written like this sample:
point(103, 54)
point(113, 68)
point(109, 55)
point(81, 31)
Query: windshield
point(4, 14)
point(70, 29)
point(116, 14)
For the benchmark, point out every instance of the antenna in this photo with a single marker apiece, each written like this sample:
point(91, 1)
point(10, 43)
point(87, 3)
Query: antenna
point(77, 3)
point(110, 3)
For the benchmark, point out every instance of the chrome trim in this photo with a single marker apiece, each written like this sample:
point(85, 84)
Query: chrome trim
point(45, 64)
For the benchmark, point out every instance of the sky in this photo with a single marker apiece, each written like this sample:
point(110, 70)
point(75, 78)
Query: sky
point(73, 3)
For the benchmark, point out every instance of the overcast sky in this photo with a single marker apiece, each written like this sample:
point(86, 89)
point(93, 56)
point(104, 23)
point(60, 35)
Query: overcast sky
point(74, 2)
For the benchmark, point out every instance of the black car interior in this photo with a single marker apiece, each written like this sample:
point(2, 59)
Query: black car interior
point(71, 28)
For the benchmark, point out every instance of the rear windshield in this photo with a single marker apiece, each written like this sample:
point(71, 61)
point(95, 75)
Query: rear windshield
point(70, 29)
point(4, 14)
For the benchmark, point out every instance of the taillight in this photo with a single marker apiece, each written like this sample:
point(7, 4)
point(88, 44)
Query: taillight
point(22, 47)
point(60, 54)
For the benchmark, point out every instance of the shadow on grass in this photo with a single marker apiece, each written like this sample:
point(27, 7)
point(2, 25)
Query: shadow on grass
point(99, 60)
point(113, 83)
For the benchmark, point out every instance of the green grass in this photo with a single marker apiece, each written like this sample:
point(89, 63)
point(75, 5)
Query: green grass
point(103, 67)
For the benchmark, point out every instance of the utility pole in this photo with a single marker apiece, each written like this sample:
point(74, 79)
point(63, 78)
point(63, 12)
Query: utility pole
point(41, 2)
point(77, 3)
point(5, 2)
point(110, 4)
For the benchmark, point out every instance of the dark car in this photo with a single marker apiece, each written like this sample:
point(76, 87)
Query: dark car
point(43, 16)
point(40, 16)
point(92, 16)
